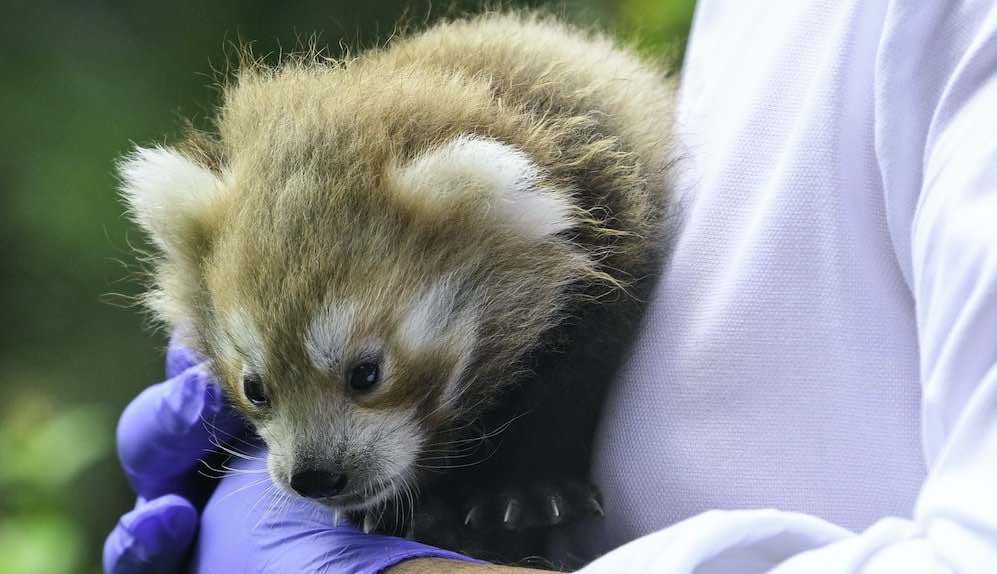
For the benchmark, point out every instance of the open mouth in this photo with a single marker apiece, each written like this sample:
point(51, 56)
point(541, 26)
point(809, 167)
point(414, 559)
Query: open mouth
point(351, 501)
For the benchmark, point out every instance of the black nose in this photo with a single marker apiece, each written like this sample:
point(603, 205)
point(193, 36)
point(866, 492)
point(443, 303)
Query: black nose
point(317, 483)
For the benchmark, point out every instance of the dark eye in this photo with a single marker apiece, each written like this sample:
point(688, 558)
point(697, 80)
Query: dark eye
point(364, 376)
point(252, 385)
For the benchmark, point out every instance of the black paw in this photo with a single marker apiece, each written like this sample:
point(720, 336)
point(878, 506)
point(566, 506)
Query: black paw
point(505, 525)
point(536, 504)
point(498, 524)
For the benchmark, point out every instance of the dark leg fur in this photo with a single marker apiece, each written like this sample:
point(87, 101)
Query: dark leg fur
point(534, 475)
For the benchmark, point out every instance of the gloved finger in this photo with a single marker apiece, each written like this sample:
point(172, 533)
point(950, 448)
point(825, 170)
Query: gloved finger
point(152, 538)
point(169, 427)
point(180, 358)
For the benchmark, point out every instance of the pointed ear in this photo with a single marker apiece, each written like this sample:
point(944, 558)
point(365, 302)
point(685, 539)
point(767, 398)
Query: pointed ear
point(168, 195)
point(502, 173)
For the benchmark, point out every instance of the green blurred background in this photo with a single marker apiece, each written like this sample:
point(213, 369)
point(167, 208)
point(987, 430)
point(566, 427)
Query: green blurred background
point(81, 82)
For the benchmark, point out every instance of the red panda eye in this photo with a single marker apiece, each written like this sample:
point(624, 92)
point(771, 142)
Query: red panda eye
point(252, 386)
point(364, 376)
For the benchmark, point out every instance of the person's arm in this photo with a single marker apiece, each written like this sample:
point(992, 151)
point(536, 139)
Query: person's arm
point(937, 110)
point(441, 566)
point(936, 118)
point(944, 54)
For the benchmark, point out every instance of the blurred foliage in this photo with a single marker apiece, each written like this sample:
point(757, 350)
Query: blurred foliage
point(657, 26)
point(45, 449)
point(82, 81)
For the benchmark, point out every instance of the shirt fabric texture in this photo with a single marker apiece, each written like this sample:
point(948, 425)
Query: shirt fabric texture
point(815, 387)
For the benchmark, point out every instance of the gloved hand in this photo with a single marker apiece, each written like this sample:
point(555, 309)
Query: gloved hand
point(248, 524)
point(251, 526)
point(162, 435)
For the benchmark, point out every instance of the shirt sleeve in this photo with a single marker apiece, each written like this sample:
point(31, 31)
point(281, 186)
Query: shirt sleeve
point(936, 132)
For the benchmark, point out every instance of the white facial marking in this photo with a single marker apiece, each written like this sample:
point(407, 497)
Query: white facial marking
point(166, 192)
point(248, 342)
point(427, 316)
point(432, 323)
point(393, 437)
point(465, 337)
point(470, 162)
point(329, 333)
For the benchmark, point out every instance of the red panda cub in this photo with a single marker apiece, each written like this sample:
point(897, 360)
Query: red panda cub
point(417, 269)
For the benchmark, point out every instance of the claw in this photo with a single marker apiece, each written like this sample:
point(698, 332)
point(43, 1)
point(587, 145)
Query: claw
point(512, 515)
point(473, 516)
point(595, 506)
point(554, 509)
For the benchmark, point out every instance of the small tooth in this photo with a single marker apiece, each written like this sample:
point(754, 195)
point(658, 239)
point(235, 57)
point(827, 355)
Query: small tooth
point(369, 523)
point(513, 512)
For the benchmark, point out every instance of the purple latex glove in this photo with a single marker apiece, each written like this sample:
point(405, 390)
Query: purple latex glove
point(162, 436)
point(251, 526)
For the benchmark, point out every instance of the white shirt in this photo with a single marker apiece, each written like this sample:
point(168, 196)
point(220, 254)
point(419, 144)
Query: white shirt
point(819, 368)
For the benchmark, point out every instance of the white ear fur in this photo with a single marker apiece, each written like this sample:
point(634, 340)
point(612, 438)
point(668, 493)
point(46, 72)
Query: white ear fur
point(167, 194)
point(470, 162)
